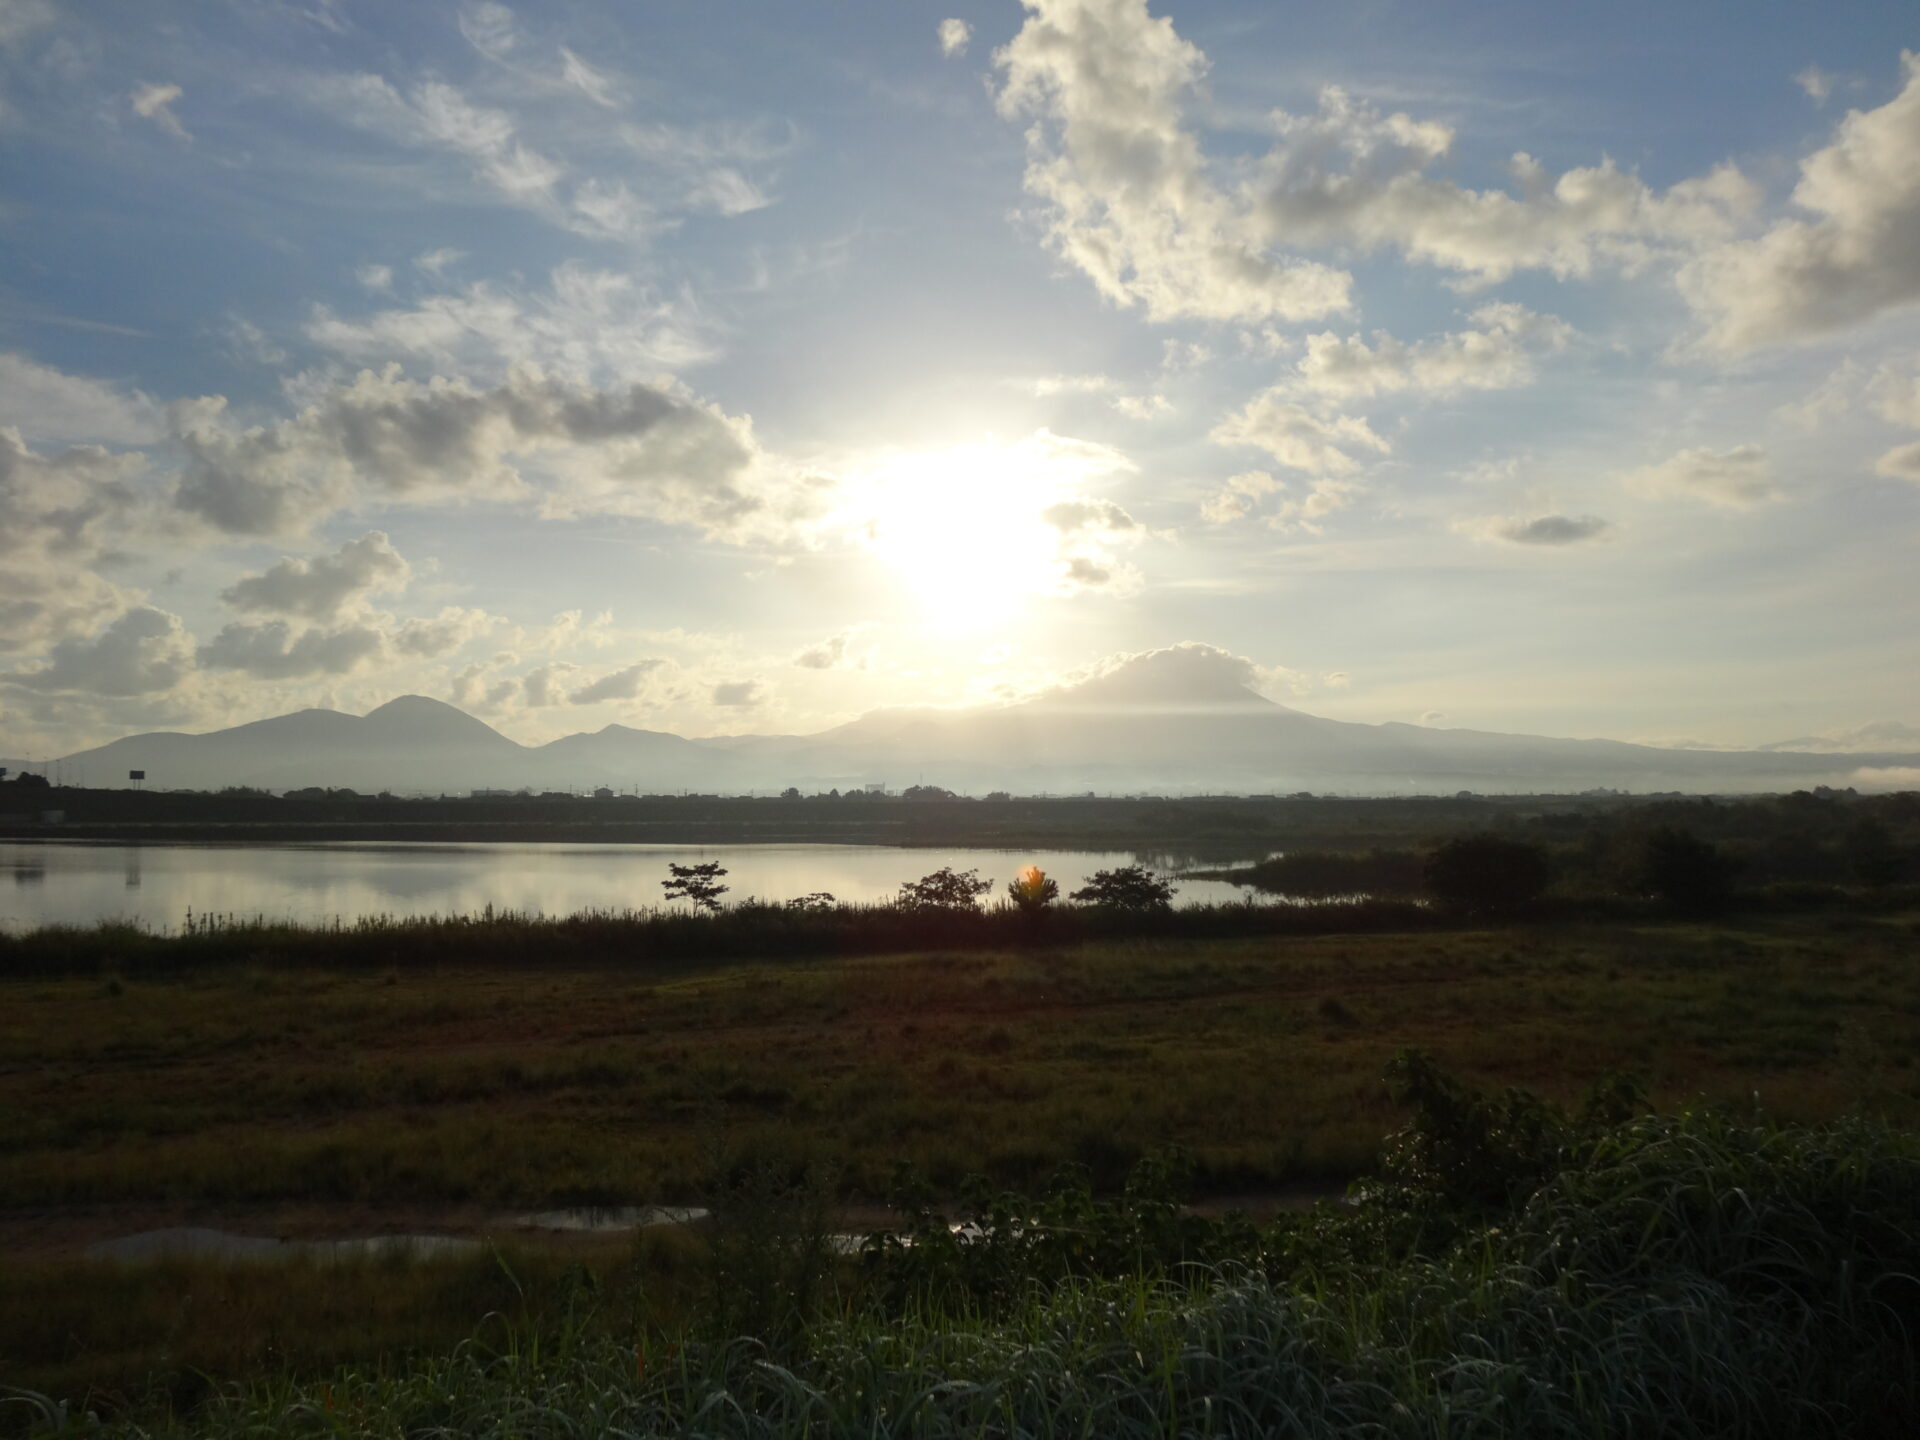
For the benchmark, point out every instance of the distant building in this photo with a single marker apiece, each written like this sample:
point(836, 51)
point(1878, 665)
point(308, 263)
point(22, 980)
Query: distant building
point(603, 793)
point(877, 787)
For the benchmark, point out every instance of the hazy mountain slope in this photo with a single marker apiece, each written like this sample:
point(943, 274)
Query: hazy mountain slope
point(1176, 720)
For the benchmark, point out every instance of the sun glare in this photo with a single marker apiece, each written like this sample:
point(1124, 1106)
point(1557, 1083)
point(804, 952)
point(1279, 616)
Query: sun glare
point(965, 528)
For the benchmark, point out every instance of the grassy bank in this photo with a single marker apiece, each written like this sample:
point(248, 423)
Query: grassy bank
point(1701, 1274)
point(522, 1064)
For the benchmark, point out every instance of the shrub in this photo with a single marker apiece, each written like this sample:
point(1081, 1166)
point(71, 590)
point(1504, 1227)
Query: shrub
point(1131, 887)
point(945, 889)
point(1486, 872)
point(1679, 868)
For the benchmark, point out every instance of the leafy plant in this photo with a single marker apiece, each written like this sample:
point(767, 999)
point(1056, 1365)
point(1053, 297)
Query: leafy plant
point(1486, 872)
point(1032, 889)
point(1130, 887)
point(698, 884)
point(945, 889)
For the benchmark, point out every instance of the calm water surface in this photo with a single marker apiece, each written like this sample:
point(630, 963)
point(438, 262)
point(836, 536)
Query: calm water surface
point(50, 882)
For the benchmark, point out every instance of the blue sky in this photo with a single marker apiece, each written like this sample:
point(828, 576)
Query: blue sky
point(743, 367)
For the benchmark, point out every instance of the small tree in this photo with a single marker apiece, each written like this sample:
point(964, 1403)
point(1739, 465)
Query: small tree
point(1131, 887)
point(1486, 872)
point(818, 902)
point(1679, 868)
point(1873, 855)
point(699, 884)
point(945, 889)
point(1032, 889)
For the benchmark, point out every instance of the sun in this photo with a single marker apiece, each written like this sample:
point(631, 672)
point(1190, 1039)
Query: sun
point(965, 529)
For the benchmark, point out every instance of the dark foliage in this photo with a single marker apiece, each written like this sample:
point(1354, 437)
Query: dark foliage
point(946, 889)
point(1131, 888)
point(1479, 873)
point(1678, 868)
point(699, 884)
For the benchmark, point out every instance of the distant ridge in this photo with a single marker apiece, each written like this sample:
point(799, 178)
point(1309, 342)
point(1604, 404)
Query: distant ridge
point(1180, 720)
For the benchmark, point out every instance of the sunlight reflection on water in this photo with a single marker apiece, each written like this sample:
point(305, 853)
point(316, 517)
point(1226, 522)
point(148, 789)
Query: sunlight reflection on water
point(157, 885)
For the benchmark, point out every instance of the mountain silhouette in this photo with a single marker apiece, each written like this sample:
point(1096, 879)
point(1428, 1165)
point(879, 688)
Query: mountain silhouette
point(1179, 720)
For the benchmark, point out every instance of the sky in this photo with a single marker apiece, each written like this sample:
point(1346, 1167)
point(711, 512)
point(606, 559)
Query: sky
point(736, 367)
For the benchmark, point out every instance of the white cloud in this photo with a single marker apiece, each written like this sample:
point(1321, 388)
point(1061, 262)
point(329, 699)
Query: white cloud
point(1817, 83)
point(442, 634)
point(739, 694)
point(587, 325)
point(1551, 530)
point(20, 18)
point(1895, 391)
point(1887, 778)
point(627, 683)
point(598, 88)
point(59, 515)
point(1238, 496)
point(141, 651)
point(1900, 463)
point(44, 404)
point(1085, 516)
point(1734, 479)
point(153, 102)
point(490, 29)
point(1497, 356)
point(954, 35)
point(375, 277)
point(273, 650)
point(435, 262)
point(1299, 438)
point(1129, 200)
point(824, 656)
point(327, 586)
point(1043, 386)
point(1857, 257)
point(1351, 175)
point(642, 450)
point(1143, 407)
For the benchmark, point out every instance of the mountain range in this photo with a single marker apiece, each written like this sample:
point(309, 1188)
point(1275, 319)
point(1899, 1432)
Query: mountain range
point(1168, 722)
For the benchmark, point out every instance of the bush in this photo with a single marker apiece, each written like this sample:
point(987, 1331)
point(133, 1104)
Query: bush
point(1486, 872)
point(945, 889)
point(1131, 887)
point(1680, 869)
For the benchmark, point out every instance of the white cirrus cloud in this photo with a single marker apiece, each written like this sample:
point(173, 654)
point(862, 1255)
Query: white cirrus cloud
point(1738, 478)
point(1855, 256)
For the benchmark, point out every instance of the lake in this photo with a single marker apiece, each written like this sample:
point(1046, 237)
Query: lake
point(76, 883)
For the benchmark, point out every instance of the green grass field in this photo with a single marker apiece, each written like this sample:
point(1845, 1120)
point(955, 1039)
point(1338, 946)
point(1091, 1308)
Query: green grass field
point(298, 1098)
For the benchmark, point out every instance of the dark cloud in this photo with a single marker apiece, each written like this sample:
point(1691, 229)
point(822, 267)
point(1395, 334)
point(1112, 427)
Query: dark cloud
point(273, 650)
point(324, 587)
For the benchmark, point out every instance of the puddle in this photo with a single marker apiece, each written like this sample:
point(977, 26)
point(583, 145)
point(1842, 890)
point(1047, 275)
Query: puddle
point(608, 1219)
point(199, 1242)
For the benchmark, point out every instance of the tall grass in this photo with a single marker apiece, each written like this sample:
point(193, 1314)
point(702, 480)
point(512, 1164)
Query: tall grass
point(1699, 1274)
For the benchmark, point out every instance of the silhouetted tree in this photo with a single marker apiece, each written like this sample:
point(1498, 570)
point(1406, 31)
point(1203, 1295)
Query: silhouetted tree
point(1873, 855)
point(945, 889)
point(1486, 872)
point(1032, 889)
point(1131, 887)
point(699, 884)
point(1678, 867)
